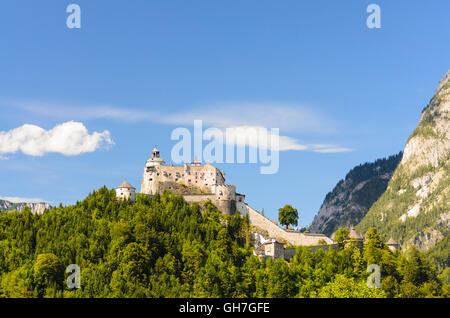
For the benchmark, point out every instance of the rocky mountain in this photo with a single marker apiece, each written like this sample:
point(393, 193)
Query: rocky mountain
point(415, 208)
point(352, 197)
point(36, 208)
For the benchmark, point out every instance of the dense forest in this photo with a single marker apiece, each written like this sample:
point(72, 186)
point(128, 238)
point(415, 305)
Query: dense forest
point(164, 247)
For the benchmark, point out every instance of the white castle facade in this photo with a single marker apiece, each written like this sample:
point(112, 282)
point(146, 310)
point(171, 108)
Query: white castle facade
point(195, 182)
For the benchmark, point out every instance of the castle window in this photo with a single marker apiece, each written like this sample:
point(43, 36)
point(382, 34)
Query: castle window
point(151, 179)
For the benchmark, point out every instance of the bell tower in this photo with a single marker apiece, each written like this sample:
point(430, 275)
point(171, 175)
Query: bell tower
point(155, 153)
point(155, 159)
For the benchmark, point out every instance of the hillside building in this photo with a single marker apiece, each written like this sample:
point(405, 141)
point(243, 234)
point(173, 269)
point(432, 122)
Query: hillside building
point(126, 192)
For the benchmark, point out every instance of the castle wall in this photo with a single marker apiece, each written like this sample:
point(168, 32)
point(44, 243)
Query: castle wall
point(322, 247)
point(125, 194)
point(276, 250)
point(205, 177)
point(274, 231)
point(198, 198)
point(227, 207)
point(289, 253)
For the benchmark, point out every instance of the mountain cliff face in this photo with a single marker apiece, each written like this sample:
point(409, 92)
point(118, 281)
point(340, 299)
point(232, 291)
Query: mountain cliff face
point(36, 208)
point(351, 198)
point(415, 208)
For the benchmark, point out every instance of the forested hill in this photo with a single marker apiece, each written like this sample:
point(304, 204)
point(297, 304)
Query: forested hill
point(352, 197)
point(163, 247)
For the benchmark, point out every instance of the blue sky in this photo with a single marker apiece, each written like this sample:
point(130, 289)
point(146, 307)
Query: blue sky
point(138, 69)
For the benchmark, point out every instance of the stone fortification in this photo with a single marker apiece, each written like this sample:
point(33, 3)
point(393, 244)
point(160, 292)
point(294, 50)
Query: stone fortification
point(203, 178)
point(195, 182)
point(199, 183)
point(274, 231)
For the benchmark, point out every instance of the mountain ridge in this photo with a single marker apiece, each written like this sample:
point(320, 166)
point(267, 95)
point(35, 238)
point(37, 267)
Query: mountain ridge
point(35, 207)
point(351, 198)
point(415, 208)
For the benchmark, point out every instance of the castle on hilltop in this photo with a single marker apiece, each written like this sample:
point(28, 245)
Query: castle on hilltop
point(198, 182)
point(195, 182)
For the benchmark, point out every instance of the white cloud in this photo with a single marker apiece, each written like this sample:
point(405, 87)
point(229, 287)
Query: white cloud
point(334, 150)
point(330, 149)
point(260, 137)
point(75, 112)
point(21, 200)
point(70, 138)
point(287, 117)
point(294, 118)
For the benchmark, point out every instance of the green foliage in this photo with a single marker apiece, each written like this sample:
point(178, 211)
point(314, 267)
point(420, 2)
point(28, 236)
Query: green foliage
point(342, 237)
point(47, 271)
point(163, 247)
point(366, 171)
point(322, 242)
point(399, 198)
point(445, 276)
point(440, 253)
point(287, 215)
point(345, 287)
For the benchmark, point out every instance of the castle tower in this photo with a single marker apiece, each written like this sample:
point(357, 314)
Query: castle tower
point(196, 163)
point(126, 192)
point(354, 235)
point(151, 175)
point(155, 159)
point(225, 198)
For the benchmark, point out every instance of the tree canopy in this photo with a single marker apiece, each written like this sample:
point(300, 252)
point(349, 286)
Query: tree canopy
point(164, 247)
point(287, 215)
